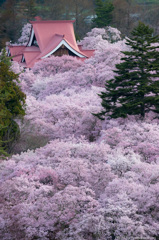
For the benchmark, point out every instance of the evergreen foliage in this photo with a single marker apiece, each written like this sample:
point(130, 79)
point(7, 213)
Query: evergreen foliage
point(135, 88)
point(103, 12)
point(5, 59)
point(12, 101)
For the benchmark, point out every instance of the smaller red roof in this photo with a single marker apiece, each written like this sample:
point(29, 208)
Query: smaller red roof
point(30, 58)
point(88, 53)
point(16, 52)
point(32, 49)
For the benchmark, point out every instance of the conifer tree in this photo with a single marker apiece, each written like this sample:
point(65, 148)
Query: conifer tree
point(135, 88)
point(103, 12)
point(12, 102)
point(4, 58)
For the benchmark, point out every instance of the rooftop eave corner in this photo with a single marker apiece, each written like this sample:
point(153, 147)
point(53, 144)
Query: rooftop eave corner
point(37, 19)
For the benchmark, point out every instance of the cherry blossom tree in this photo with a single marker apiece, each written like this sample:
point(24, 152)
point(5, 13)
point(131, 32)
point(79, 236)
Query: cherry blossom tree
point(68, 190)
point(25, 34)
point(94, 38)
point(52, 65)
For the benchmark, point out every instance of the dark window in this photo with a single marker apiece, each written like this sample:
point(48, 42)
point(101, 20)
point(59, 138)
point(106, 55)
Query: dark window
point(34, 42)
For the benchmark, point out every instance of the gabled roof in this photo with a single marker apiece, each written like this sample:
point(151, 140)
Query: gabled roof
point(55, 43)
point(52, 44)
point(16, 52)
point(30, 55)
point(45, 30)
point(50, 36)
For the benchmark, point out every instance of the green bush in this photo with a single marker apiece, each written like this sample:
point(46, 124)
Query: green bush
point(12, 106)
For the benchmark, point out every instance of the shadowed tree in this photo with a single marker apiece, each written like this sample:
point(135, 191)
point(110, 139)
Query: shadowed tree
point(70, 10)
point(103, 10)
point(12, 102)
point(8, 22)
point(81, 10)
point(126, 15)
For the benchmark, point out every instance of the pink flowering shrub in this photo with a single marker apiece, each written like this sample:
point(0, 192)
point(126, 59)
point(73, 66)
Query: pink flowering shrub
point(27, 79)
point(61, 116)
point(106, 57)
point(140, 136)
point(16, 67)
point(97, 36)
point(53, 65)
point(140, 185)
point(82, 77)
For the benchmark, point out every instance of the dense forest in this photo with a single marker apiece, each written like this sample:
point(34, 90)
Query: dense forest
point(124, 14)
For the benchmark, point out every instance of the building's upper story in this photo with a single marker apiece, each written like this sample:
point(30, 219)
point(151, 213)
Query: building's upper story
point(48, 38)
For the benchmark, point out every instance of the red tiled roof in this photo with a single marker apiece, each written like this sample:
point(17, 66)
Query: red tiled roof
point(88, 53)
point(17, 52)
point(52, 44)
point(32, 49)
point(49, 35)
point(45, 30)
point(16, 49)
point(30, 57)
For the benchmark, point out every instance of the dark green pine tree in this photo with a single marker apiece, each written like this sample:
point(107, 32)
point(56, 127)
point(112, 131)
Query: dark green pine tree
point(103, 12)
point(135, 89)
point(12, 106)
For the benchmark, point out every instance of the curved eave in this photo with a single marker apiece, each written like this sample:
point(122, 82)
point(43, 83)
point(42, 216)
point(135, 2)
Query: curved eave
point(67, 45)
point(31, 37)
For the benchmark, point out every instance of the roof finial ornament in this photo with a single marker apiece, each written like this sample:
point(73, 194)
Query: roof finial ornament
point(37, 18)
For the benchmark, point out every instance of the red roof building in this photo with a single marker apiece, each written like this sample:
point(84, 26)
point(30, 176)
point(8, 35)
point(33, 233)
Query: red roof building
point(48, 38)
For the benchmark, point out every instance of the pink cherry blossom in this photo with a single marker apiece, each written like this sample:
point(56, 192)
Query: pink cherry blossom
point(72, 176)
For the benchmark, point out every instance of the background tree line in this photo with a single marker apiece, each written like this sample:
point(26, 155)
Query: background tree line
point(122, 14)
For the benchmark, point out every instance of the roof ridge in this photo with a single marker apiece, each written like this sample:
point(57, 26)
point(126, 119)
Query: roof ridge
point(52, 21)
point(11, 46)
